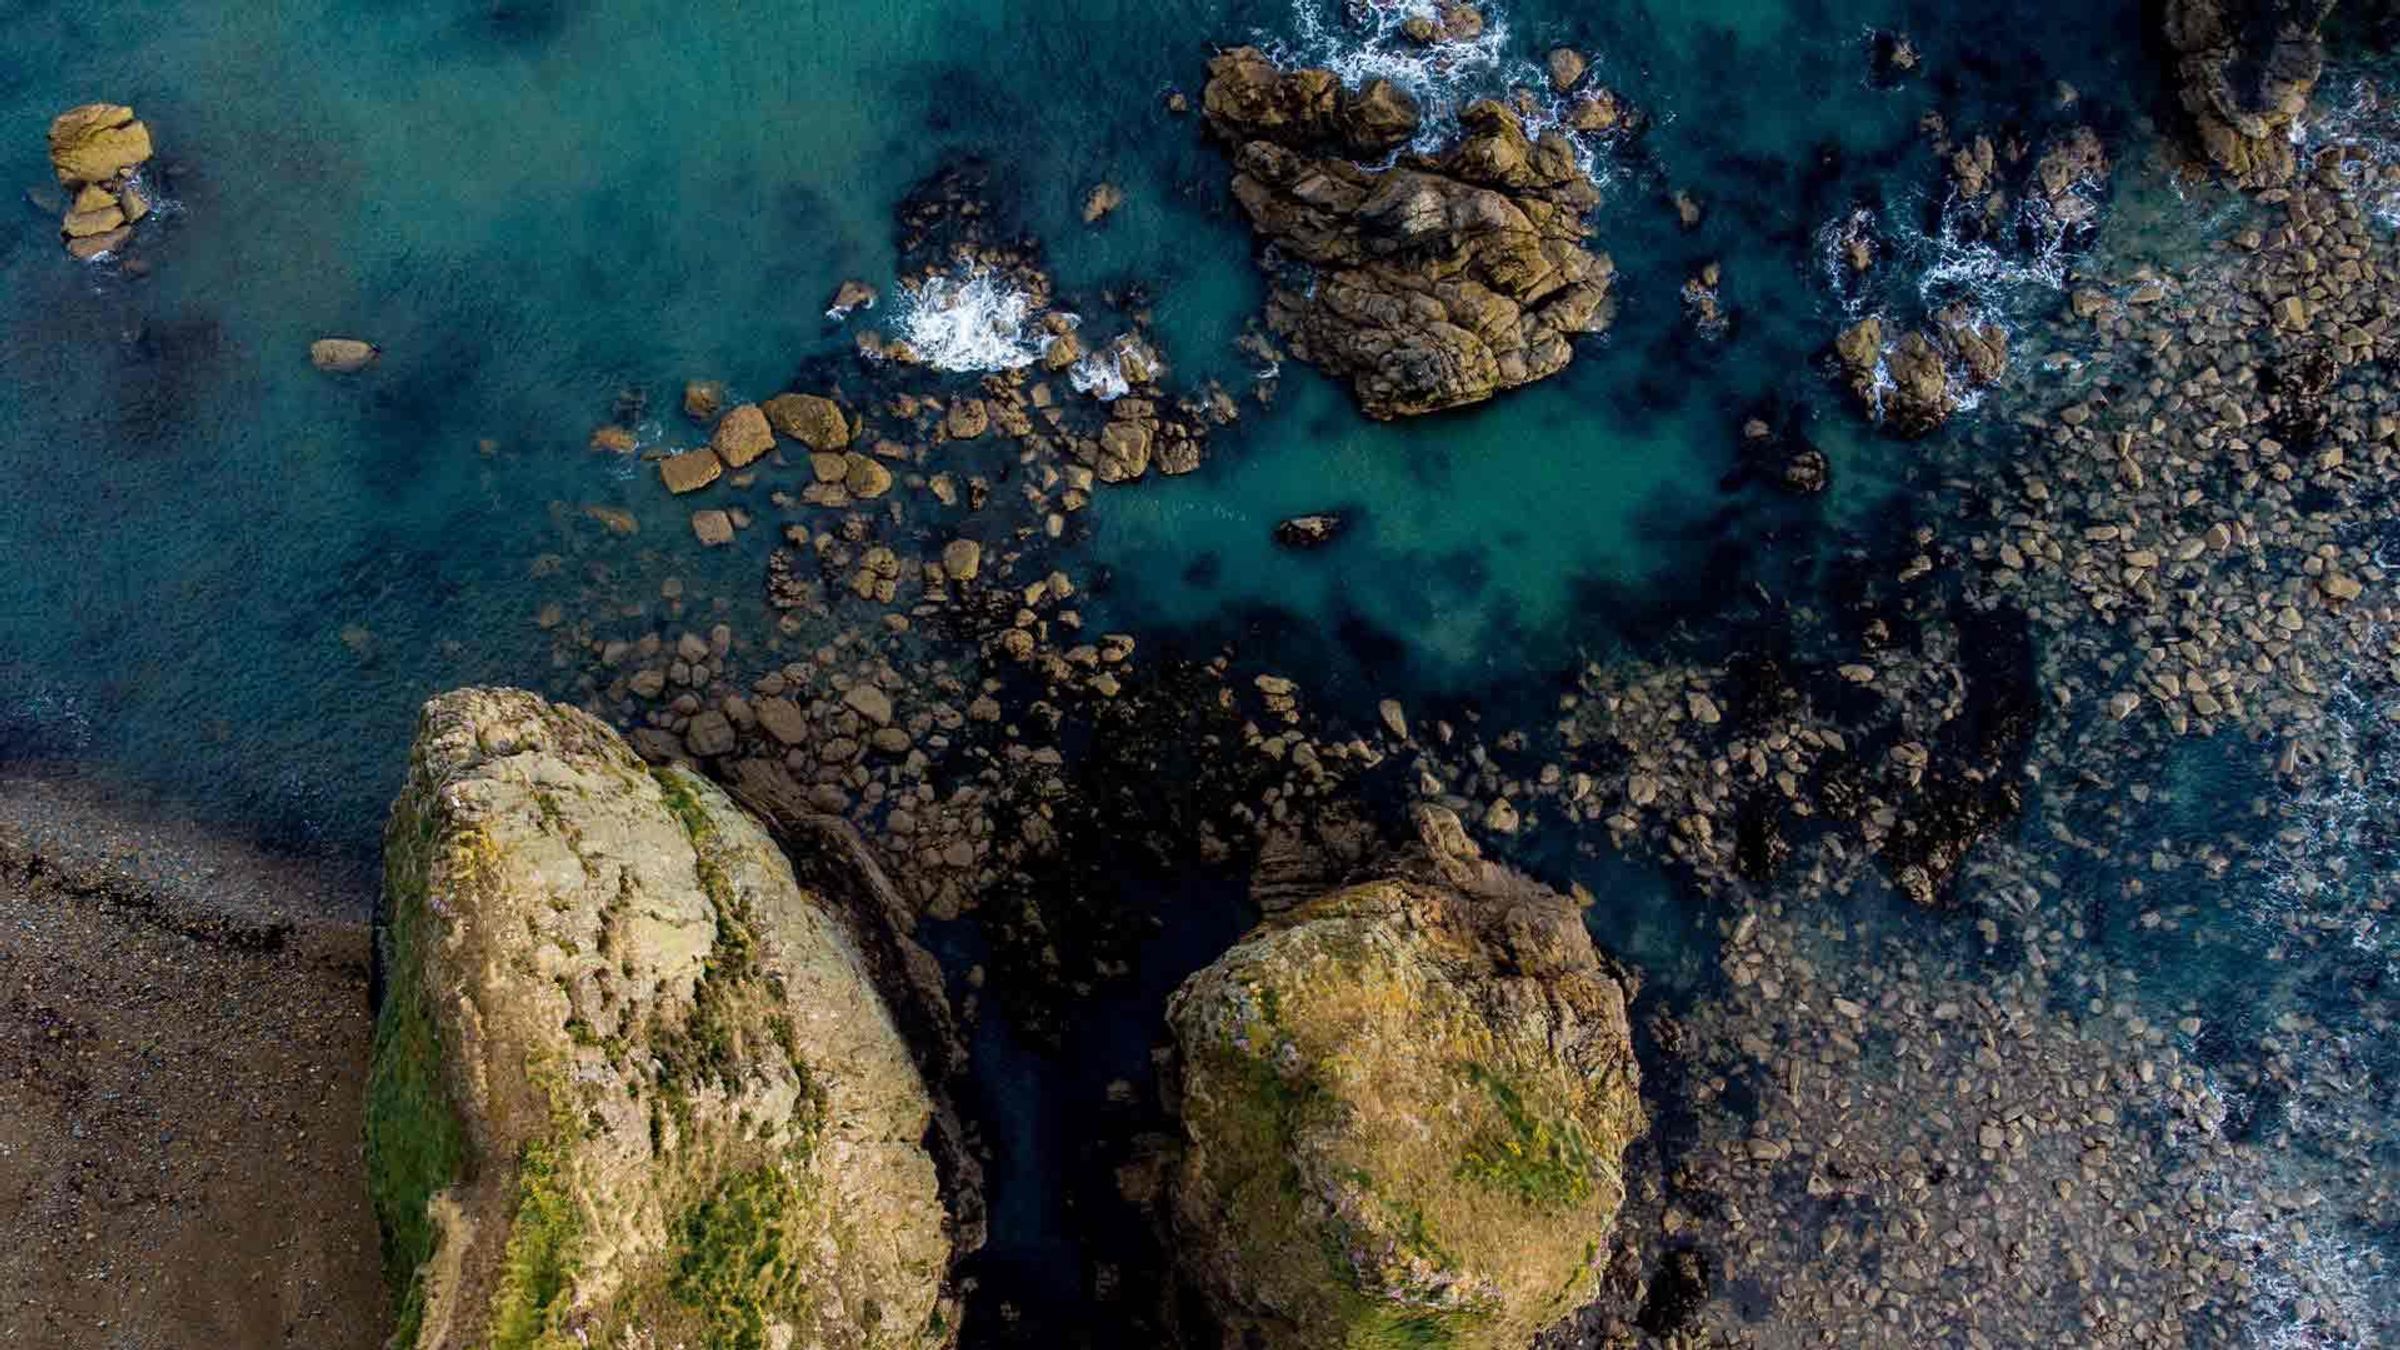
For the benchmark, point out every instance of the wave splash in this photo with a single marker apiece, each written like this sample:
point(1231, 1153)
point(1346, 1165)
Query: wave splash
point(969, 320)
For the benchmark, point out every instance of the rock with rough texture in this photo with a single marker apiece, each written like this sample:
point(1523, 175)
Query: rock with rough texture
point(2243, 71)
point(1309, 531)
point(1404, 1105)
point(742, 436)
point(342, 356)
point(1912, 384)
point(1435, 282)
point(811, 419)
point(632, 1085)
point(97, 143)
point(690, 471)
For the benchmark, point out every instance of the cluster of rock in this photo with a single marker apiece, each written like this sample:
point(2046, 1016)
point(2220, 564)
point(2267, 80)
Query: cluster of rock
point(1912, 383)
point(2243, 71)
point(633, 1085)
point(1435, 282)
point(1405, 1105)
point(98, 151)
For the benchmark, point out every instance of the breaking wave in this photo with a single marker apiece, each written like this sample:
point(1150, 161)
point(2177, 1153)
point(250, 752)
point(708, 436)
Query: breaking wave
point(969, 320)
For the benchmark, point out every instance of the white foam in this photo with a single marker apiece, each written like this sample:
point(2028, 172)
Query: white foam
point(1443, 77)
point(1102, 374)
point(969, 320)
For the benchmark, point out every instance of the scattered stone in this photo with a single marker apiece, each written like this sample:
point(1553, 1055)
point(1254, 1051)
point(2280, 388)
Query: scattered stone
point(712, 527)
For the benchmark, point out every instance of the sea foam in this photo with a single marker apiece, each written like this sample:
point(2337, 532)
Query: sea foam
point(969, 320)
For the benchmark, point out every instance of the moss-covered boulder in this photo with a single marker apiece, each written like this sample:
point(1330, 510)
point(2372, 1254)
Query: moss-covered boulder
point(632, 1085)
point(1404, 1105)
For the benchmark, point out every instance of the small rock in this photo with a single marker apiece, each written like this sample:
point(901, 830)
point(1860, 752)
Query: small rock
point(713, 528)
point(869, 702)
point(342, 356)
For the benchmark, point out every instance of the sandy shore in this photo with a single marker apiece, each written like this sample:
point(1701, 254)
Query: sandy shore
point(184, 1033)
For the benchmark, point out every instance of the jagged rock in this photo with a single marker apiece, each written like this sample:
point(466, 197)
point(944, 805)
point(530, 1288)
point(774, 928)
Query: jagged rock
point(1438, 281)
point(1312, 531)
point(1913, 384)
point(2243, 72)
point(1566, 68)
point(97, 143)
point(632, 1084)
point(1404, 1104)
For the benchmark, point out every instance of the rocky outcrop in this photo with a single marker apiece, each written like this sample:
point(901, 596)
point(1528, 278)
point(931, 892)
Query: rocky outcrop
point(98, 150)
point(2243, 71)
point(1913, 383)
point(1438, 281)
point(1404, 1105)
point(632, 1084)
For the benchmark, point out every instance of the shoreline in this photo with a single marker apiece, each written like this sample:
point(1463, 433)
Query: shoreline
point(180, 1155)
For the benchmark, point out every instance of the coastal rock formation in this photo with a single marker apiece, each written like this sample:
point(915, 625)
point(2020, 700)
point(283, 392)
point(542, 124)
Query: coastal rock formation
point(2243, 71)
point(97, 150)
point(1436, 282)
point(632, 1084)
point(1404, 1104)
point(1913, 383)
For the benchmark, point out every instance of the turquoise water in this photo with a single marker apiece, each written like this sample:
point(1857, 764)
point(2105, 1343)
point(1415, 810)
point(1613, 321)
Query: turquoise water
point(535, 206)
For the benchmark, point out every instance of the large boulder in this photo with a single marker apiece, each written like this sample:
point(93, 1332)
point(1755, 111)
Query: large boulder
point(1433, 282)
point(632, 1085)
point(2243, 71)
point(97, 143)
point(1404, 1105)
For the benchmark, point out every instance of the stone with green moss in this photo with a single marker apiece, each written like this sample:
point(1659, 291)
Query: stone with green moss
point(1404, 1105)
point(632, 1084)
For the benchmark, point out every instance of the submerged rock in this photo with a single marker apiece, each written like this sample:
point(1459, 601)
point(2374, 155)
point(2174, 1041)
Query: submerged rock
point(1404, 1105)
point(1436, 282)
point(632, 1084)
point(1310, 531)
point(2243, 71)
point(342, 356)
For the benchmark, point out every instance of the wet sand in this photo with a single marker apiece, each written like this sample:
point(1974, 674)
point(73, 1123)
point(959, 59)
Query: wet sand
point(183, 1043)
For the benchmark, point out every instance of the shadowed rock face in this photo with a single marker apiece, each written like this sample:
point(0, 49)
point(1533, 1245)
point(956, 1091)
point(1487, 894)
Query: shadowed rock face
point(632, 1084)
point(1435, 282)
point(2243, 71)
point(1404, 1105)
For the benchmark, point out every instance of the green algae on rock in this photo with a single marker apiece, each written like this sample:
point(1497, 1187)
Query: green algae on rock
point(1404, 1105)
point(632, 1084)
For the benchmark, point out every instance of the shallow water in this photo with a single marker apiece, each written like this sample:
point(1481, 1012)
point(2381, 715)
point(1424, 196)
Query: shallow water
point(532, 207)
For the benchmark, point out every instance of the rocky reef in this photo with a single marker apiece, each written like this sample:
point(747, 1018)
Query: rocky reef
point(1911, 384)
point(2243, 71)
point(632, 1084)
point(98, 151)
point(1405, 1104)
point(1432, 283)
